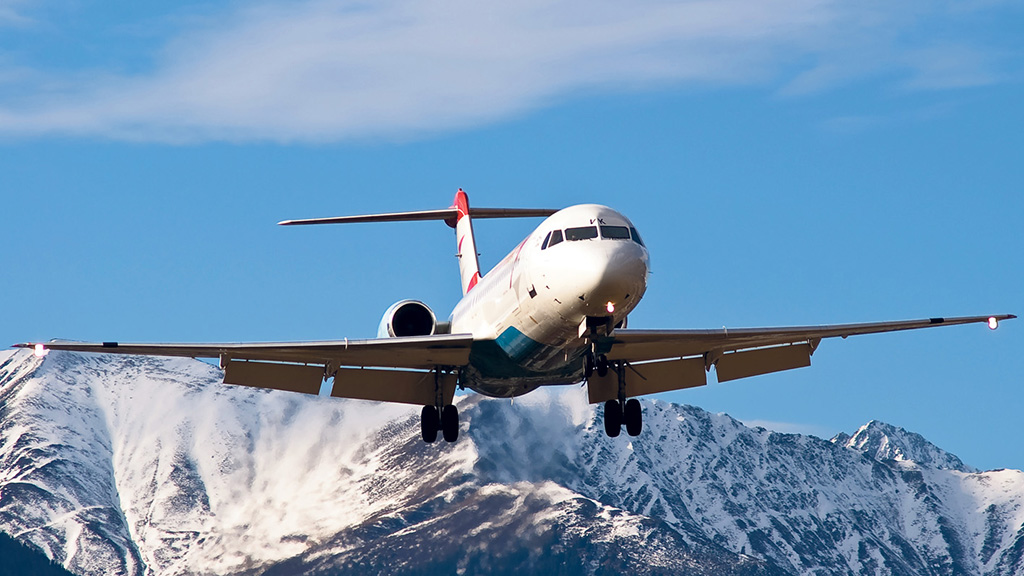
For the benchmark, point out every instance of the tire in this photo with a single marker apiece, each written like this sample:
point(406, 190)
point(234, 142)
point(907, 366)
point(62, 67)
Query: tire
point(450, 423)
point(633, 416)
point(588, 365)
point(602, 366)
point(430, 423)
point(612, 418)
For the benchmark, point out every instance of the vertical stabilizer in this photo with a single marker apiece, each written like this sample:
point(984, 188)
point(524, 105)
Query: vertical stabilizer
point(469, 265)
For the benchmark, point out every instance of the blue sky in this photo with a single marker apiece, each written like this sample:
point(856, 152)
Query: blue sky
point(788, 162)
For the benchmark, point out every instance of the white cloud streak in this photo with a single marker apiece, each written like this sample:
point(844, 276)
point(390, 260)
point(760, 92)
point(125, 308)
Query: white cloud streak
point(789, 428)
point(323, 70)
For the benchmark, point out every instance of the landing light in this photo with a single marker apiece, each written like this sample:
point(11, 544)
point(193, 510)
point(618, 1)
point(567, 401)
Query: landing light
point(40, 351)
point(610, 307)
point(993, 323)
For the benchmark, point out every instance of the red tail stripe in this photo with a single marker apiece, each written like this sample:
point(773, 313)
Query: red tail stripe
point(461, 204)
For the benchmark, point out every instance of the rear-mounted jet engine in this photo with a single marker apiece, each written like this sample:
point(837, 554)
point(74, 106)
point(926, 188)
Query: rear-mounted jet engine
point(408, 318)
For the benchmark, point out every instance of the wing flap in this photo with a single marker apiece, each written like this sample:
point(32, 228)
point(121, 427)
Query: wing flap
point(288, 377)
point(649, 378)
point(401, 386)
point(749, 363)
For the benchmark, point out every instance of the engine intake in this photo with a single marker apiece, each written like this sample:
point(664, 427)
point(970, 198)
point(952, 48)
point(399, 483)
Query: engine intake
point(407, 318)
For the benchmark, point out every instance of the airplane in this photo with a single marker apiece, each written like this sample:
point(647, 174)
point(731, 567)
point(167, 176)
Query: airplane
point(552, 312)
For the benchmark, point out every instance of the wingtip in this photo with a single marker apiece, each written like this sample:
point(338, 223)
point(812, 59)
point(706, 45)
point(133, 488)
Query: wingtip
point(38, 349)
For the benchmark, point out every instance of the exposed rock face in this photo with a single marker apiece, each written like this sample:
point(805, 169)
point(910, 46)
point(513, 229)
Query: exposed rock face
point(122, 465)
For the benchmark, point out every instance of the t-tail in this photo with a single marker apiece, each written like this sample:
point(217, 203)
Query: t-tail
point(469, 263)
point(459, 216)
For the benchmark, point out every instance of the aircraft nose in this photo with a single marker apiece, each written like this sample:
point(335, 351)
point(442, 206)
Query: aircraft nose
point(615, 275)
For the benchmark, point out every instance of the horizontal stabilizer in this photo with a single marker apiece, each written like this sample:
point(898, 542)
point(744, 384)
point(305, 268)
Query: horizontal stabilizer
point(450, 214)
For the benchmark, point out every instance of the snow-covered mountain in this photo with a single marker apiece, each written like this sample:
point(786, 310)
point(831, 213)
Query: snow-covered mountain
point(135, 465)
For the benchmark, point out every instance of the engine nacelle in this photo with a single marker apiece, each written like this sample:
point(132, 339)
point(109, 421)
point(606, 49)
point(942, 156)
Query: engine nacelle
point(407, 318)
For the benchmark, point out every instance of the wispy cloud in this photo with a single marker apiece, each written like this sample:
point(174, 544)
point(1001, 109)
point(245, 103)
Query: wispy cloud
point(11, 13)
point(328, 70)
point(790, 428)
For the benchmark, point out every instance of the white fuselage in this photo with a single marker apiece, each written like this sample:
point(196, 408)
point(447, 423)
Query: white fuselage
point(528, 315)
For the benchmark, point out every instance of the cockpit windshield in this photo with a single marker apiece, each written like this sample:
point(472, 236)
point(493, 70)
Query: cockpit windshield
point(615, 232)
point(581, 233)
point(636, 237)
point(591, 232)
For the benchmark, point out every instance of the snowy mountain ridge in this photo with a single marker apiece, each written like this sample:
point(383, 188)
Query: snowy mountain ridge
point(887, 442)
point(139, 465)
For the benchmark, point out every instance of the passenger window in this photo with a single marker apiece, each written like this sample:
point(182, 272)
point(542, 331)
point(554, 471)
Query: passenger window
point(636, 237)
point(544, 244)
point(615, 232)
point(582, 233)
point(556, 237)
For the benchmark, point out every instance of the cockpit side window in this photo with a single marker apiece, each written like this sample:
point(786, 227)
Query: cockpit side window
point(581, 233)
point(544, 244)
point(615, 232)
point(556, 237)
point(636, 237)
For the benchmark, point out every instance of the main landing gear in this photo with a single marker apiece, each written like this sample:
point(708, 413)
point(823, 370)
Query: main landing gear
point(616, 412)
point(439, 417)
point(445, 421)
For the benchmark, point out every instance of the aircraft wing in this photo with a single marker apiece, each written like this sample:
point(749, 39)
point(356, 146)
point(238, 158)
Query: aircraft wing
point(663, 360)
point(638, 345)
point(302, 366)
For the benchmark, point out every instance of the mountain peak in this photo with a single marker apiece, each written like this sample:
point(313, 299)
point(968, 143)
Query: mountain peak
point(883, 441)
point(143, 465)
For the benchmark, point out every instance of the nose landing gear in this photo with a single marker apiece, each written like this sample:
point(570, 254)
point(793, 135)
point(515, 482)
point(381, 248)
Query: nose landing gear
point(593, 362)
